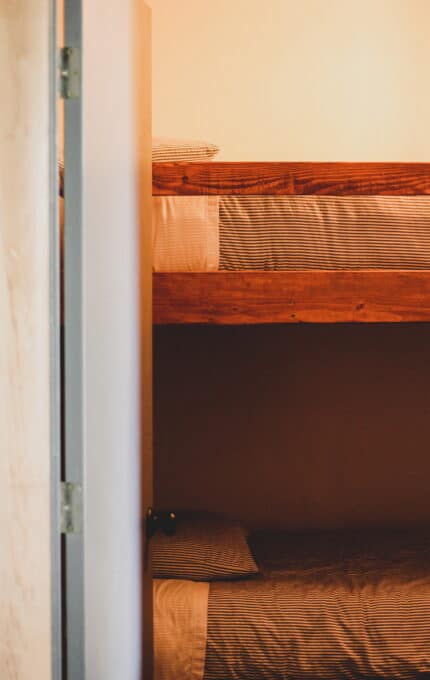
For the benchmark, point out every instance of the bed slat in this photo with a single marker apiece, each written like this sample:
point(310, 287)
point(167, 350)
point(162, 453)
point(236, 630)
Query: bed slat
point(286, 179)
point(291, 297)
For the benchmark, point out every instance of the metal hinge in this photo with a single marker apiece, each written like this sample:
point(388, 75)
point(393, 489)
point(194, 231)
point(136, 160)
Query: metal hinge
point(71, 508)
point(70, 72)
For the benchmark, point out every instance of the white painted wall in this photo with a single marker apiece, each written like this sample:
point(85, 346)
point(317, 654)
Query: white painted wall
point(111, 319)
point(295, 80)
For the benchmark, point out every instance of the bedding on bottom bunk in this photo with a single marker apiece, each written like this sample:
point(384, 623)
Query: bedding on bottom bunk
point(290, 232)
point(180, 626)
point(327, 605)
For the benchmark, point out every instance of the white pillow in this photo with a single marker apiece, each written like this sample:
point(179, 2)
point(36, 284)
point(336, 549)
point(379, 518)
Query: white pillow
point(165, 150)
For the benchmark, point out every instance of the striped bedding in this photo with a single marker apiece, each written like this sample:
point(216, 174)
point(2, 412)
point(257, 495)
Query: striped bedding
point(172, 150)
point(202, 548)
point(326, 605)
point(292, 232)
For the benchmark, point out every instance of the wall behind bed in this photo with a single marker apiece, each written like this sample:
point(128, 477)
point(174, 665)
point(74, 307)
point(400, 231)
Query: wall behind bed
point(289, 80)
point(295, 426)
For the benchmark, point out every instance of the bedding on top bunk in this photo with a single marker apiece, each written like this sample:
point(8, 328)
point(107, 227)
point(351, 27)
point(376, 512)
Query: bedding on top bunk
point(326, 605)
point(198, 233)
point(292, 232)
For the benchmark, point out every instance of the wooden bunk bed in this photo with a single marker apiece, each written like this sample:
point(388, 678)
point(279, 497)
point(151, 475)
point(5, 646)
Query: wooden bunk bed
point(317, 296)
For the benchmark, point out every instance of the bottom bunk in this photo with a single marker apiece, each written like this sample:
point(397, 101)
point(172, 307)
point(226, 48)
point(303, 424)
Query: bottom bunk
point(323, 605)
point(297, 427)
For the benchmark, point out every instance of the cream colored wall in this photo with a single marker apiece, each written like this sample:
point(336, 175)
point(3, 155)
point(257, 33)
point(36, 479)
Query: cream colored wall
point(289, 80)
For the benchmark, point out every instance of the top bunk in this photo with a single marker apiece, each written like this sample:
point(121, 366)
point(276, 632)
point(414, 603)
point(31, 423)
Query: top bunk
point(316, 294)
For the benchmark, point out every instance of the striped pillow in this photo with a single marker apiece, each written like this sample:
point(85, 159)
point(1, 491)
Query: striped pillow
point(203, 550)
point(166, 150)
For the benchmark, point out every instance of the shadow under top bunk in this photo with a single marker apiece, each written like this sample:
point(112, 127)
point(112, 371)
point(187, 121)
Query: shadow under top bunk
point(312, 294)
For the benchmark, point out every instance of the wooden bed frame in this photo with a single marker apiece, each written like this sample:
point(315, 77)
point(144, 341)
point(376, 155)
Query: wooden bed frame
point(317, 296)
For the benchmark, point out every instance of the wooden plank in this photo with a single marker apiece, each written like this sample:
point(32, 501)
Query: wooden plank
point(25, 450)
point(291, 297)
point(143, 79)
point(286, 179)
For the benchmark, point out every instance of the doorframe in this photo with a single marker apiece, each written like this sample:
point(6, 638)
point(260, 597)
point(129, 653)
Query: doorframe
point(104, 183)
point(72, 466)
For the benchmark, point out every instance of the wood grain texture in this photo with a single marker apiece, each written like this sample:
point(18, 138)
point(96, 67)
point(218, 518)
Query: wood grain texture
point(25, 549)
point(143, 77)
point(291, 297)
point(287, 179)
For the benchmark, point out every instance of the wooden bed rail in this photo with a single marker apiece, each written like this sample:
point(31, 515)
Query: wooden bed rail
point(289, 179)
point(244, 297)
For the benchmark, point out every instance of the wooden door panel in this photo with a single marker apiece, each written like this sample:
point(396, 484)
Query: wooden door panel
point(25, 447)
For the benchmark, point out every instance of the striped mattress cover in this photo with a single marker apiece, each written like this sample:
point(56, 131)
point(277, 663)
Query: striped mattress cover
point(326, 605)
point(291, 232)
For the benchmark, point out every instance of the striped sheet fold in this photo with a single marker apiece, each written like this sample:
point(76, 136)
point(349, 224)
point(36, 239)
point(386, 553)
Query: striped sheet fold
point(314, 232)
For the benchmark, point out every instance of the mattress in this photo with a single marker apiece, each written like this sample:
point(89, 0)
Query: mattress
point(291, 232)
point(326, 605)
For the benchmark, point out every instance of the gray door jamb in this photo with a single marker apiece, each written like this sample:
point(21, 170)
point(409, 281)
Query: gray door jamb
point(73, 461)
